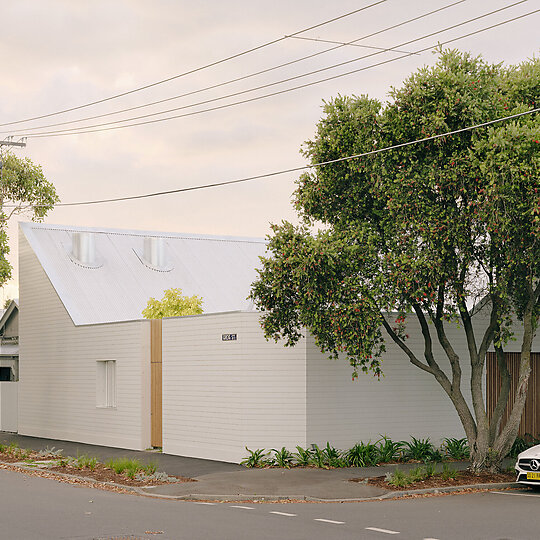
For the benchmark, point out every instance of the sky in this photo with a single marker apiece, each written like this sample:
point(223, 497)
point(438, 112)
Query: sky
point(59, 54)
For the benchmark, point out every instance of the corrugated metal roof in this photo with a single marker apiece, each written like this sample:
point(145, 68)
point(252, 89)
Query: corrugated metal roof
point(218, 268)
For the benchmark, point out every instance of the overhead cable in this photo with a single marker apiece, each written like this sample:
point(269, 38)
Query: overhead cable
point(293, 169)
point(90, 129)
point(238, 79)
point(195, 70)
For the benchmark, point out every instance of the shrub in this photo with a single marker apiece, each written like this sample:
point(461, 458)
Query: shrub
point(256, 458)
point(302, 456)
point(362, 455)
point(418, 449)
point(522, 443)
point(318, 457)
point(86, 462)
point(282, 458)
point(435, 456)
point(389, 450)
point(447, 472)
point(398, 478)
point(456, 448)
point(333, 456)
point(150, 468)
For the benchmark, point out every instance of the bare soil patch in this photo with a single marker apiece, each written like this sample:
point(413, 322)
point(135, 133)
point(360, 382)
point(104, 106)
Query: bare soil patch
point(463, 478)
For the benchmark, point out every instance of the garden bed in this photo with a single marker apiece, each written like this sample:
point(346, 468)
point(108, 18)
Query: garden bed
point(125, 472)
point(439, 480)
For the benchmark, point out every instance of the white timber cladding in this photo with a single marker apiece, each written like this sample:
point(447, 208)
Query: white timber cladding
point(8, 406)
point(405, 402)
point(57, 388)
point(220, 396)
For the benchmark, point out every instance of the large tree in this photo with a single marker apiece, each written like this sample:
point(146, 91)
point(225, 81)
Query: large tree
point(426, 230)
point(23, 190)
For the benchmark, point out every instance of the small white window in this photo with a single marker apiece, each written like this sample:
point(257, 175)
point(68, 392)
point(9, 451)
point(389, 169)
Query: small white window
point(106, 383)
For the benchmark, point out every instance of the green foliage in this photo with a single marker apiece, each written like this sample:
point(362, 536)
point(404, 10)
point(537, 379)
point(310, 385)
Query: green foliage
point(398, 478)
point(86, 462)
point(318, 457)
point(150, 468)
point(362, 455)
point(389, 450)
point(282, 458)
point(435, 456)
point(418, 449)
point(521, 444)
point(121, 465)
point(173, 304)
point(447, 472)
point(302, 456)
point(333, 456)
point(471, 229)
point(23, 189)
point(456, 448)
point(256, 458)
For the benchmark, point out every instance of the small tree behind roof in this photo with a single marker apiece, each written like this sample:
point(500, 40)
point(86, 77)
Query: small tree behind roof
point(173, 304)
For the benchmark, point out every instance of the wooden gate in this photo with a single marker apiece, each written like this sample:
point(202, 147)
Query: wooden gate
point(156, 436)
point(530, 420)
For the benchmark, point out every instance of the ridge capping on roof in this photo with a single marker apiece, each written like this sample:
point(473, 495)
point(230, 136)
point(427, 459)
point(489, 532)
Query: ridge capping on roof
point(141, 233)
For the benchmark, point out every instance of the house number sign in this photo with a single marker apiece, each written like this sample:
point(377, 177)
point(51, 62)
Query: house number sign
point(228, 337)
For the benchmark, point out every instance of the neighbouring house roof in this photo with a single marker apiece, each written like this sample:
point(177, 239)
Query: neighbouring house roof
point(116, 286)
point(9, 345)
point(5, 314)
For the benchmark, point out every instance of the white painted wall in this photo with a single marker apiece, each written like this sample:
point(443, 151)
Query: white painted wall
point(57, 372)
point(405, 402)
point(8, 406)
point(220, 396)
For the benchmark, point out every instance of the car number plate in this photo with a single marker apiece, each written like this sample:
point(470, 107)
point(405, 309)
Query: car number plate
point(533, 476)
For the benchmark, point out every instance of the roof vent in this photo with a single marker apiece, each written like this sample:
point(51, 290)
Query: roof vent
point(154, 254)
point(83, 250)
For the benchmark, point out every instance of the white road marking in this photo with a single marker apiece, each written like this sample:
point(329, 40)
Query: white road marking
point(330, 521)
point(431, 539)
point(516, 494)
point(244, 507)
point(386, 531)
point(283, 514)
point(209, 504)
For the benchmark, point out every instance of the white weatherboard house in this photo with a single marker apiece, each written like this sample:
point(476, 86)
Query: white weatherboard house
point(9, 366)
point(91, 370)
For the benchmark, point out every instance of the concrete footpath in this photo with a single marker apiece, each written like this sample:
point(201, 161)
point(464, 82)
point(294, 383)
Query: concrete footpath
point(226, 481)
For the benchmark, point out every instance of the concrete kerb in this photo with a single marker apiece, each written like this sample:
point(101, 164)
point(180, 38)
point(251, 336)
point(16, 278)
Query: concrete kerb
point(307, 498)
point(265, 498)
point(426, 491)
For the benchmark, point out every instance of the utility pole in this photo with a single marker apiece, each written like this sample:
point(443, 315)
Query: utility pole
point(8, 141)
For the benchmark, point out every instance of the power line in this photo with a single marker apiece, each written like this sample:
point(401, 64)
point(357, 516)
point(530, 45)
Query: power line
point(201, 68)
point(294, 169)
point(89, 129)
point(349, 43)
point(238, 79)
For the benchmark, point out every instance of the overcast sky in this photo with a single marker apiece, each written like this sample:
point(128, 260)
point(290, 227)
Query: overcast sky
point(58, 54)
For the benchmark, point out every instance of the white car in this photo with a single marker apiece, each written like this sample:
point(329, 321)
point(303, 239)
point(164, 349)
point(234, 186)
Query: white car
point(528, 466)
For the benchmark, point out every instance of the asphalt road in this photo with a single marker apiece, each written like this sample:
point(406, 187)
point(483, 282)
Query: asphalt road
point(39, 508)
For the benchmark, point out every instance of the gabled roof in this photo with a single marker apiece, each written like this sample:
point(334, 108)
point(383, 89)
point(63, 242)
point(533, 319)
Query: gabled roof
point(218, 268)
point(6, 313)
